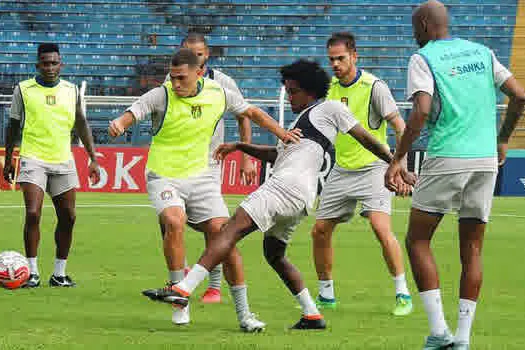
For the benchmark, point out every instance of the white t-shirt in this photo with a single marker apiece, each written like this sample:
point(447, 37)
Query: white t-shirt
point(420, 76)
point(154, 103)
point(297, 165)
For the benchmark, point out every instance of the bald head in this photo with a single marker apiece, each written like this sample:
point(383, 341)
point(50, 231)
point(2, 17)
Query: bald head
point(430, 22)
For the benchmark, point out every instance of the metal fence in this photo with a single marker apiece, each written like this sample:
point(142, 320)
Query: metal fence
point(101, 109)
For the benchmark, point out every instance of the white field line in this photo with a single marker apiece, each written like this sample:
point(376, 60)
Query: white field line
point(96, 205)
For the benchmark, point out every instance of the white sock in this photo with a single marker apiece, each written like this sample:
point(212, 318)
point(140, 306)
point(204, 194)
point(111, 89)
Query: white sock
point(326, 289)
point(216, 277)
point(467, 309)
point(176, 276)
point(60, 268)
point(401, 284)
point(307, 303)
point(434, 309)
point(196, 275)
point(240, 299)
point(33, 266)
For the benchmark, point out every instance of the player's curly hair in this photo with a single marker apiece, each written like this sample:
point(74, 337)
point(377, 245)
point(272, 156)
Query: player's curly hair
point(310, 76)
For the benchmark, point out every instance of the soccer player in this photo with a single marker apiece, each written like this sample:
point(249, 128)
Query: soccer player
point(452, 84)
point(281, 202)
point(196, 42)
point(45, 109)
point(358, 175)
point(180, 185)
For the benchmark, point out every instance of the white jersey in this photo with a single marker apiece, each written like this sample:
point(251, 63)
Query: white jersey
point(297, 165)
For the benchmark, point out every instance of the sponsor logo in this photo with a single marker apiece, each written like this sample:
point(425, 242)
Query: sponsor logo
point(477, 68)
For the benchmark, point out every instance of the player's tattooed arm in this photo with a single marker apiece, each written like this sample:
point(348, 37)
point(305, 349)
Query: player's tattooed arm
point(262, 152)
point(370, 143)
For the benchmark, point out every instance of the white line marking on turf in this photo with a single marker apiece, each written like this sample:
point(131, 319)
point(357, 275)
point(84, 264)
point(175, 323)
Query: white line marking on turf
point(95, 205)
point(89, 206)
point(491, 215)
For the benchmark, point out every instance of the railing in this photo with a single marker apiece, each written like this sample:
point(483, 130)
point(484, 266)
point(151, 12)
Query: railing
point(276, 107)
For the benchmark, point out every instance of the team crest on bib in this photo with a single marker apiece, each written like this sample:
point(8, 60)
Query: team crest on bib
point(166, 195)
point(51, 100)
point(344, 100)
point(196, 112)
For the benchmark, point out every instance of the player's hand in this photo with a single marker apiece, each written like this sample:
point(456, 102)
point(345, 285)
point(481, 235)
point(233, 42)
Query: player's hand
point(94, 172)
point(248, 170)
point(223, 150)
point(292, 136)
point(403, 189)
point(393, 175)
point(502, 153)
point(9, 172)
point(116, 128)
point(409, 178)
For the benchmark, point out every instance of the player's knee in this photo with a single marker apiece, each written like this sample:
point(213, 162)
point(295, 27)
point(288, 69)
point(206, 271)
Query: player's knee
point(408, 244)
point(68, 217)
point(322, 231)
point(173, 226)
point(274, 251)
point(274, 259)
point(33, 215)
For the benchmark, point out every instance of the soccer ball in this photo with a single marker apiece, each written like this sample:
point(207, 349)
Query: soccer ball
point(14, 270)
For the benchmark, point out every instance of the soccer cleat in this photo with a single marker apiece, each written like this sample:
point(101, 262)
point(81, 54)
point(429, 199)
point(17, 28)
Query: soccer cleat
point(181, 316)
point(61, 281)
point(168, 294)
point(403, 305)
point(325, 303)
point(211, 296)
point(250, 324)
point(460, 346)
point(310, 323)
point(33, 281)
point(438, 342)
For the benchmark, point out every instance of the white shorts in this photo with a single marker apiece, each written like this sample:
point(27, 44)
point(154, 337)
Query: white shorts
point(469, 193)
point(275, 210)
point(344, 189)
point(200, 196)
point(54, 179)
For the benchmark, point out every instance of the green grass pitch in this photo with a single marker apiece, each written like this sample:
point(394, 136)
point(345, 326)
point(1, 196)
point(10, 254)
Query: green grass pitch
point(117, 253)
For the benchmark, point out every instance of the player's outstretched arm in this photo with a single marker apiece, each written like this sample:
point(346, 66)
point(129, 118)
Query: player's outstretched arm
point(516, 95)
point(119, 125)
point(370, 143)
point(262, 152)
point(261, 118)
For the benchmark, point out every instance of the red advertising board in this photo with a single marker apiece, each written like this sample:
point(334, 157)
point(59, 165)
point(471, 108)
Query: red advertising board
point(122, 170)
